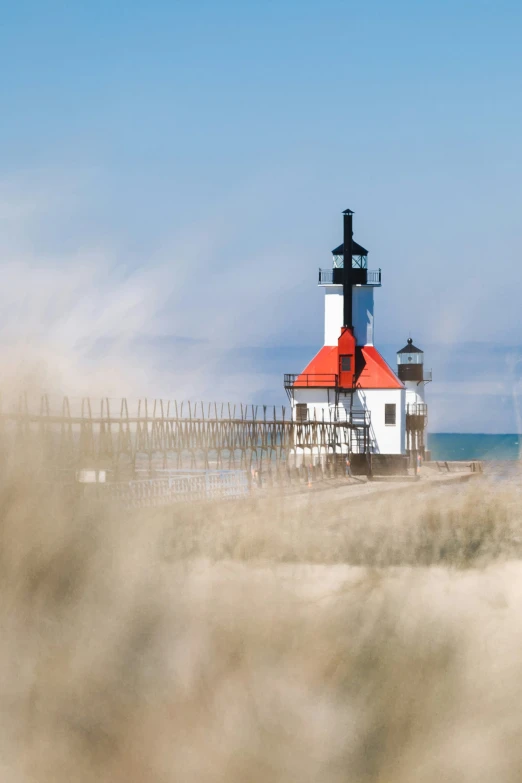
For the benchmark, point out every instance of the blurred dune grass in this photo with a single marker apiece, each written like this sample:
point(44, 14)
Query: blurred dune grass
point(274, 640)
point(455, 526)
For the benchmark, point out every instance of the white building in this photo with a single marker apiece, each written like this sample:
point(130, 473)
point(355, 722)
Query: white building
point(348, 379)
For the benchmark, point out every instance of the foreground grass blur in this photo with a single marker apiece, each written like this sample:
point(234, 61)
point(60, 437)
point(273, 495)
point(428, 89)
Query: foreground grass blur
point(272, 641)
point(457, 526)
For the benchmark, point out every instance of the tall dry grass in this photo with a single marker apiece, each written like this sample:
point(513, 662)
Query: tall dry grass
point(456, 526)
point(277, 641)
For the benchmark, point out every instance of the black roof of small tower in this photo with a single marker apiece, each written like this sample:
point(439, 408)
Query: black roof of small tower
point(410, 348)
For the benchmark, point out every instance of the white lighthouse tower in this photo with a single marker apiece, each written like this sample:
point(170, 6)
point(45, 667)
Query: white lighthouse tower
point(348, 380)
point(411, 371)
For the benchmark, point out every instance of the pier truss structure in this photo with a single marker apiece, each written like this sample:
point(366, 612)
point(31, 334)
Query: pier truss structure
point(130, 439)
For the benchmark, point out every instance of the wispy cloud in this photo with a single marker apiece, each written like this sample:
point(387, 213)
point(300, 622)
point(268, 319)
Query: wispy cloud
point(87, 321)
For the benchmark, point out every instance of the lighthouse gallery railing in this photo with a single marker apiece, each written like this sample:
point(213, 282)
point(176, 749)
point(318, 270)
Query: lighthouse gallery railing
point(335, 276)
point(311, 380)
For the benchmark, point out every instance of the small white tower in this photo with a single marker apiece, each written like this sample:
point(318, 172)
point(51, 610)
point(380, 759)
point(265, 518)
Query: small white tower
point(410, 369)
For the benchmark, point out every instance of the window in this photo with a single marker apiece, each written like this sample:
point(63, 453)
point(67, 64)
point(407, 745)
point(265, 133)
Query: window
point(390, 414)
point(410, 358)
point(346, 363)
point(301, 411)
point(359, 262)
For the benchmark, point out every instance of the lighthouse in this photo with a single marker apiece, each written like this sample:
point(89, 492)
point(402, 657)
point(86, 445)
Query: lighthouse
point(348, 379)
point(411, 371)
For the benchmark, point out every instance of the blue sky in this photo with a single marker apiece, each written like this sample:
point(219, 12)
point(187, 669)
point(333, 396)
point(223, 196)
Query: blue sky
point(198, 155)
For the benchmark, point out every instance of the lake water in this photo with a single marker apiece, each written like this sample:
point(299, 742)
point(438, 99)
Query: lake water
point(457, 446)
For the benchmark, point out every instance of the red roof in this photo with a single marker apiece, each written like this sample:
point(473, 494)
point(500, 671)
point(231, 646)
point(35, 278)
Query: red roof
point(376, 373)
point(371, 371)
point(322, 370)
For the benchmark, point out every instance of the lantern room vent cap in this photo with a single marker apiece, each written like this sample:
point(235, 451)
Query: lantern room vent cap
point(410, 348)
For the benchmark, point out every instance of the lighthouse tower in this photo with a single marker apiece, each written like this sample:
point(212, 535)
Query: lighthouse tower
point(411, 371)
point(348, 380)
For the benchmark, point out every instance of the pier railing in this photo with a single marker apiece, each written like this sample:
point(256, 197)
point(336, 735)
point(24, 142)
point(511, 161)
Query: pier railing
point(129, 439)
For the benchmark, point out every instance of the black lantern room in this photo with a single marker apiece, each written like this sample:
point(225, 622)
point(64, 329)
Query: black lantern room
point(410, 363)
